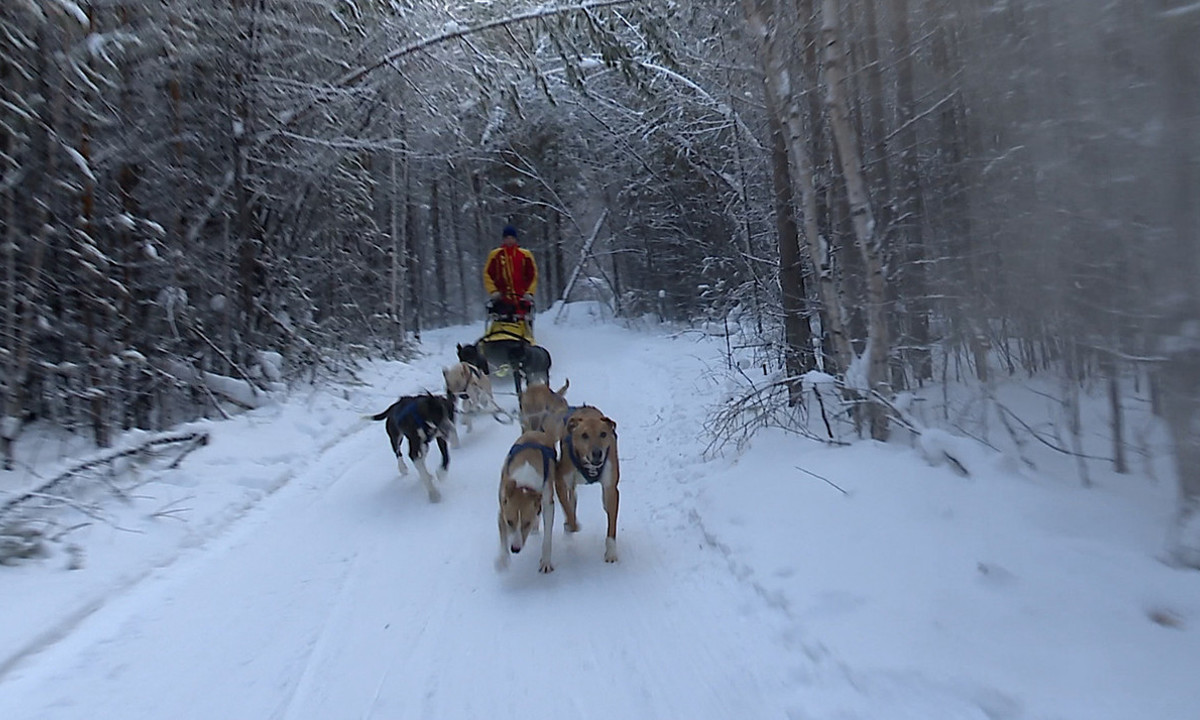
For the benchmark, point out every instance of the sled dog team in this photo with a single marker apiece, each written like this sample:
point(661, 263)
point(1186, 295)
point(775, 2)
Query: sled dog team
point(560, 447)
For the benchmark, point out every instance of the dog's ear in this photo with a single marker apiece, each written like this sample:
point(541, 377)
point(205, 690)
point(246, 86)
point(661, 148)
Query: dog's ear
point(458, 347)
point(612, 426)
point(572, 424)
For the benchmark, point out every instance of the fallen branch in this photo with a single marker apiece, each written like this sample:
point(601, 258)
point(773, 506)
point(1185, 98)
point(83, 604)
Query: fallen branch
point(47, 489)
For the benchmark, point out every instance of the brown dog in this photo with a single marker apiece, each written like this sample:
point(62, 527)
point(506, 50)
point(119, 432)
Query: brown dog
point(588, 454)
point(527, 491)
point(543, 409)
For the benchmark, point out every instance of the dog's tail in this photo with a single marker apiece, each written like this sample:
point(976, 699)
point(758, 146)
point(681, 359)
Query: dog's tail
point(563, 390)
point(381, 416)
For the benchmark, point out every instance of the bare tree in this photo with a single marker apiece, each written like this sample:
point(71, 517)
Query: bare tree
point(1180, 266)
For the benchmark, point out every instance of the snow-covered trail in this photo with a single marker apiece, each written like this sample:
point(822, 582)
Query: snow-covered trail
point(346, 594)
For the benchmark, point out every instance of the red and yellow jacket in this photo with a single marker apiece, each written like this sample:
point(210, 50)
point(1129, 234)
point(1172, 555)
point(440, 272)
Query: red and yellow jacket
point(510, 271)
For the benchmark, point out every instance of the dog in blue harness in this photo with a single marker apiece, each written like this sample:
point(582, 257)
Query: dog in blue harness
point(587, 455)
point(526, 492)
point(543, 408)
point(421, 419)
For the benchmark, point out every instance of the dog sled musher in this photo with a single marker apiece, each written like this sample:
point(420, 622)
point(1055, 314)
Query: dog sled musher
point(510, 278)
point(508, 344)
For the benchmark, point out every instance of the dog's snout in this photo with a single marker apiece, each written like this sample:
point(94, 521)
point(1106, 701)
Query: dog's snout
point(515, 548)
point(597, 457)
point(464, 396)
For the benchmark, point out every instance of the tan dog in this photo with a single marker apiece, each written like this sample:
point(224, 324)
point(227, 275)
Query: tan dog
point(468, 384)
point(588, 454)
point(544, 409)
point(527, 491)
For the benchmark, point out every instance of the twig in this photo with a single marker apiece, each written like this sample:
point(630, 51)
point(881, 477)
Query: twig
point(224, 356)
point(58, 536)
point(168, 512)
point(1044, 441)
point(827, 480)
point(84, 509)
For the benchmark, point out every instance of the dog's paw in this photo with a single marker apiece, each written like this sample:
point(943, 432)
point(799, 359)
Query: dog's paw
point(571, 527)
point(544, 566)
point(610, 550)
point(502, 562)
point(435, 495)
point(441, 473)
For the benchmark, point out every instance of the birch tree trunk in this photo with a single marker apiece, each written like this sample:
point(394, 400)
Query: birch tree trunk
point(862, 218)
point(783, 99)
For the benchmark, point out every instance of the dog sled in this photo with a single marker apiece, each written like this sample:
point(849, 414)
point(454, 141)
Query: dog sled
point(508, 345)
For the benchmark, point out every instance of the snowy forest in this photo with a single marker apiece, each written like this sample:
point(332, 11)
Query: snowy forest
point(898, 193)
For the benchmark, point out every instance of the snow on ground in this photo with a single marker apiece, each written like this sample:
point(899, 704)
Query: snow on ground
point(287, 571)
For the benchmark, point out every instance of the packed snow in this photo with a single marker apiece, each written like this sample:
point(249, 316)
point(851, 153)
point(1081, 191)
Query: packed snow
point(286, 570)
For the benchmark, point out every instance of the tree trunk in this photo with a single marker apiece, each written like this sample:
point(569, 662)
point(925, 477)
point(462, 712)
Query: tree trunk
point(412, 270)
point(249, 265)
point(861, 217)
point(760, 15)
point(480, 245)
point(398, 250)
point(460, 257)
point(798, 348)
point(438, 244)
point(910, 207)
point(1116, 416)
point(558, 258)
point(1179, 267)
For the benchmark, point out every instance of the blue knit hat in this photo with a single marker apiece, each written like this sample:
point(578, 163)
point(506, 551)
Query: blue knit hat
point(509, 230)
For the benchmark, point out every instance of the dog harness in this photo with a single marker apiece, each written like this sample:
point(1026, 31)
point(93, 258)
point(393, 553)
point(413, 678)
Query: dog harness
point(588, 476)
point(547, 455)
point(409, 410)
point(570, 411)
point(475, 373)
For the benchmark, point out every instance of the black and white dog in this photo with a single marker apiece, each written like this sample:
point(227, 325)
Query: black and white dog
point(421, 419)
point(470, 353)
